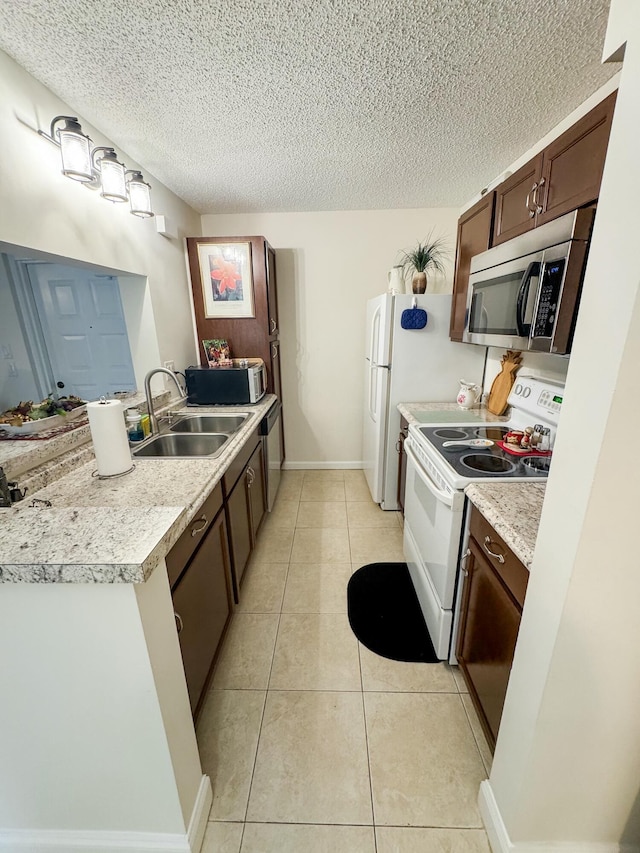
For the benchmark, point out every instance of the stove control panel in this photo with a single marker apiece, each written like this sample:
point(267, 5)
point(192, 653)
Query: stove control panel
point(537, 397)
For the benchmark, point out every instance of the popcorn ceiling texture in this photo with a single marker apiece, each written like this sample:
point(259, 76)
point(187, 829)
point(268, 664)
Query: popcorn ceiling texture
point(284, 105)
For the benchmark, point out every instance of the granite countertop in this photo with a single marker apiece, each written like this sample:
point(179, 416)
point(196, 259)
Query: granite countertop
point(422, 413)
point(19, 455)
point(113, 531)
point(513, 510)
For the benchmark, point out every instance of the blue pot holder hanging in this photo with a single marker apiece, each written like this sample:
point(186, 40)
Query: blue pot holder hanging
point(414, 317)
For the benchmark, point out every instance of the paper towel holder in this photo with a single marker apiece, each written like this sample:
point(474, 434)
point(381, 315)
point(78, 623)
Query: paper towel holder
point(111, 476)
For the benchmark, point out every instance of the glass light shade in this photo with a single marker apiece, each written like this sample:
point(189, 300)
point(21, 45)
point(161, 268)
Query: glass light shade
point(114, 187)
point(75, 149)
point(139, 196)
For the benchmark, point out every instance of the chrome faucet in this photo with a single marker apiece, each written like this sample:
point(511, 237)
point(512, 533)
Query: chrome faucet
point(153, 421)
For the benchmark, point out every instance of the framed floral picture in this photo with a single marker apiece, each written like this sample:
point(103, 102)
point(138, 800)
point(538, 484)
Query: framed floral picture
point(227, 282)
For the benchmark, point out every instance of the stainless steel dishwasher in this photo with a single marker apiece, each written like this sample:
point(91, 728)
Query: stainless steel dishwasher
point(271, 431)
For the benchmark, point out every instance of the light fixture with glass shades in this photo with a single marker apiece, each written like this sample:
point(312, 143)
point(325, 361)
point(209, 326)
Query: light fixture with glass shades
point(75, 148)
point(98, 168)
point(139, 194)
point(111, 174)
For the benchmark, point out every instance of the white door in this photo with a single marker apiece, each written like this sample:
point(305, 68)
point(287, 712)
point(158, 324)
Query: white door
point(84, 329)
point(376, 392)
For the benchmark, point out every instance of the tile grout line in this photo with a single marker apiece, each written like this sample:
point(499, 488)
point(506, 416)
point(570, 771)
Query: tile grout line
point(366, 742)
point(487, 770)
point(266, 696)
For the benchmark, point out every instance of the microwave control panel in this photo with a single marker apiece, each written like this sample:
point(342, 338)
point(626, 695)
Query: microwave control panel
point(548, 299)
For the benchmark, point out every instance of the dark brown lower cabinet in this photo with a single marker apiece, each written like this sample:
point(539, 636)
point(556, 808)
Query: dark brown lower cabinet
point(492, 601)
point(203, 603)
point(246, 507)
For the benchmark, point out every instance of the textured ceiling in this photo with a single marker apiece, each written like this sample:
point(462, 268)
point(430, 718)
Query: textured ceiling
point(283, 105)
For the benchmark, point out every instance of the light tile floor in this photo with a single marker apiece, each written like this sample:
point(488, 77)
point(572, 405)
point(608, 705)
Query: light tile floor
point(312, 742)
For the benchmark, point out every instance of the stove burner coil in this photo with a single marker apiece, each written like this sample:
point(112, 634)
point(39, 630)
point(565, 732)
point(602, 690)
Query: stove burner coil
point(488, 463)
point(537, 464)
point(451, 433)
point(495, 433)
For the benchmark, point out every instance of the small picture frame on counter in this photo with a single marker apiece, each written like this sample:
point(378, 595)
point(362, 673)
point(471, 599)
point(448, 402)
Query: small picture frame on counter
point(217, 352)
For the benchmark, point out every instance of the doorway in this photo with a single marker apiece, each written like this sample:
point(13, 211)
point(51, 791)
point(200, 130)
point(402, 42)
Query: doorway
point(84, 330)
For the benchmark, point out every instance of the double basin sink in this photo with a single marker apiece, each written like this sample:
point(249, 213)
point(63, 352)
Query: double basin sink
point(192, 436)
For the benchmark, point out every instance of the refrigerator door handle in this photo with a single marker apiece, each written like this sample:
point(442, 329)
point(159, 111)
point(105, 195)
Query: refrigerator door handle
point(375, 333)
point(373, 392)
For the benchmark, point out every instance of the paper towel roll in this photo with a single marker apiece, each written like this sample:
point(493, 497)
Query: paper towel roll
point(109, 436)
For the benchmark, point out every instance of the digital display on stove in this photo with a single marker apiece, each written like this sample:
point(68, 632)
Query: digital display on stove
point(557, 399)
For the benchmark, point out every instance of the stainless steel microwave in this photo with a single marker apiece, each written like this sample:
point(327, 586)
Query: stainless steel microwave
point(524, 294)
point(211, 386)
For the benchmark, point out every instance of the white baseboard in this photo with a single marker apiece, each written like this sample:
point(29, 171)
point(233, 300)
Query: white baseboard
point(89, 841)
point(99, 841)
point(320, 466)
point(200, 815)
point(501, 843)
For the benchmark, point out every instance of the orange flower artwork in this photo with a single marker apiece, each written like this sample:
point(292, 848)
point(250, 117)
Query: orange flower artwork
point(226, 277)
point(226, 273)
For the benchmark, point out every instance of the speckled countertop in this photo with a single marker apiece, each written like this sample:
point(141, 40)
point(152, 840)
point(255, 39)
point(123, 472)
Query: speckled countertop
point(20, 456)
point(513, 510)
point(451, 413)
point(112, 531)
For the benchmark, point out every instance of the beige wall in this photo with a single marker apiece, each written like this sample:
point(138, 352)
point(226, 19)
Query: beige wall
point(328, 265)
point(41, 209)
point(566, 763)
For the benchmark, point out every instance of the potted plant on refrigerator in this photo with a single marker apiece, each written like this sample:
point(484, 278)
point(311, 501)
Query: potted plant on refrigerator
point(429, 255)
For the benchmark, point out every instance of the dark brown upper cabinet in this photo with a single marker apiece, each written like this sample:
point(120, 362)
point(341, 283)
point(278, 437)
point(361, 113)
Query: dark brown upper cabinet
point(248, 337)
point(563, 177)
point(474, 236)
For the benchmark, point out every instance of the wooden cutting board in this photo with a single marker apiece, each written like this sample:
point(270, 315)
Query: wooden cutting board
point(503, 382)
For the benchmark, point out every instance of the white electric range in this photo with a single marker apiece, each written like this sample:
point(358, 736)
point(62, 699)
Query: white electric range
point(434, 509)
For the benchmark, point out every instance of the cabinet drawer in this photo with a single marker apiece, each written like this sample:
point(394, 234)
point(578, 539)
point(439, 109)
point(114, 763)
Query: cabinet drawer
point(511, 571)
point(237, 466)
point(180, 554)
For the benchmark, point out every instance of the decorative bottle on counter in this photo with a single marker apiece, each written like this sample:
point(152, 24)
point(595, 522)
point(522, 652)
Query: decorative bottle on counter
point(134, 426)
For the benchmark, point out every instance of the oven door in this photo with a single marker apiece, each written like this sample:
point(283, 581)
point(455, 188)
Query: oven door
point(432, 529)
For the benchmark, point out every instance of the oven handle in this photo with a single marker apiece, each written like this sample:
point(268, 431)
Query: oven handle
point(443, 497)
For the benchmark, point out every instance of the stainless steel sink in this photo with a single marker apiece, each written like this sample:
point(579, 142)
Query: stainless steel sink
point(181, 445)
point(209, 423)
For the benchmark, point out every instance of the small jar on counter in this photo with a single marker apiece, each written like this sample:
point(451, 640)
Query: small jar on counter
point(133, 419)
point(545, 440)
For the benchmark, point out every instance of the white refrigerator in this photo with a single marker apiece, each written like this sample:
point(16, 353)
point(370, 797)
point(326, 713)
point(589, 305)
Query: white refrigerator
point(407, 366)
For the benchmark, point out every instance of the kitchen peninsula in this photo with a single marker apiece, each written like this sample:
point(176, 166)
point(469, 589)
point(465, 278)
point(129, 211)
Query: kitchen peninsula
point(96, 712)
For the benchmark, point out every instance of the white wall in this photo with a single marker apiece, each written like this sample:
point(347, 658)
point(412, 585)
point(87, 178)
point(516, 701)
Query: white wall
point(84, 743)
point(328, 265)
point(41, 209)
point(16, 376)
point(568, 752)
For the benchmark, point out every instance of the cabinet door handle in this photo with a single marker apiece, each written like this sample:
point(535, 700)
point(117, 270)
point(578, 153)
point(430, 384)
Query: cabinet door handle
point(274, 326)
point(398, 447)
point(531, 192)
point(274, 351)
point(534, 198)
point(487, 542)
point(251, 476)
point(179, 622)
point(463, 567)
point(202, 522)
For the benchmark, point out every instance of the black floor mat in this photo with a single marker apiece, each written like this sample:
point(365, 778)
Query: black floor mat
point(385, 615)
